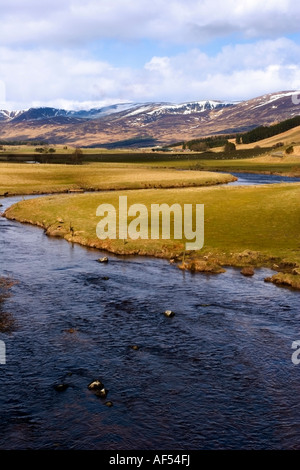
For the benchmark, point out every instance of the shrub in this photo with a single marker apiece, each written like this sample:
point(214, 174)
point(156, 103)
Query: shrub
point(289, 149)
point(229, 147)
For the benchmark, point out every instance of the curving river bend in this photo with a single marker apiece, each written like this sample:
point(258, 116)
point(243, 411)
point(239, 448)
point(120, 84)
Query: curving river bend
point(218, 375)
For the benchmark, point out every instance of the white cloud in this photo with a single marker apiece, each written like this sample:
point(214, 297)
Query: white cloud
point(50, 51)
point(67, 78)
point(67, 22)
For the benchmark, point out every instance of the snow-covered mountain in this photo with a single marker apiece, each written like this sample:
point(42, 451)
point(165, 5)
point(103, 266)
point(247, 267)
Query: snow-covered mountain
point(9, 115)
point(153, 109)
point(41, 113)
point(161, 122)
point(128, 109)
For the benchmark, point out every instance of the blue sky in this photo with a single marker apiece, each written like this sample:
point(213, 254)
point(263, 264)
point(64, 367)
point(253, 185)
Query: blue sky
point(74, 54)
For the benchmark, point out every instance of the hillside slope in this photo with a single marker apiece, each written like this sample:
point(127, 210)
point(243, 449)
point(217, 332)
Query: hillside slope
point(163, 122)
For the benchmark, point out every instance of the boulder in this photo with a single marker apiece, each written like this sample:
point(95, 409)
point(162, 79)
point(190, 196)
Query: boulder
point(95, 385)
point(169, 313)
point(102, 393)
point(61, 387)
point(247, 271)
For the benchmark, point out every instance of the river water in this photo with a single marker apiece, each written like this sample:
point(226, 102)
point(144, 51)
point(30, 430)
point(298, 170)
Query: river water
point(218, 375)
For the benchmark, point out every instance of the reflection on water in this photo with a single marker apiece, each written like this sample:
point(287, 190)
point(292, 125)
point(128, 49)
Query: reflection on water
point(218, 375)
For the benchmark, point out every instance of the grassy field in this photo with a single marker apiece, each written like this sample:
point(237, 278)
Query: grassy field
point(28, 149)
point(288, 165)
point(38, 179)
point(244, 226)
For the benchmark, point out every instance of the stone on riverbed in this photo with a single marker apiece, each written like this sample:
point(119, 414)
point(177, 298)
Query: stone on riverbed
point(61, 387)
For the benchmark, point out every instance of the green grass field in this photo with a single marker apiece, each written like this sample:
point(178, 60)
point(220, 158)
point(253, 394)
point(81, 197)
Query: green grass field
point(257, 226)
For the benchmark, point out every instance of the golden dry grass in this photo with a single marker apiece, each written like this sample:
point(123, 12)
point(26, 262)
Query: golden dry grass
point(43, 178)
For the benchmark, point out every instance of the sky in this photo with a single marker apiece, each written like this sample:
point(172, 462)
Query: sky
point(79, 55)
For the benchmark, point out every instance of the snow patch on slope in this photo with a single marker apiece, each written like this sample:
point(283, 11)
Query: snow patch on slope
point(270, 98)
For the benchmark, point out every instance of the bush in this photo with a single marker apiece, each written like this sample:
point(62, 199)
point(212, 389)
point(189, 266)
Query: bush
point(289, 149)
point(229, 147)
point(279, 144)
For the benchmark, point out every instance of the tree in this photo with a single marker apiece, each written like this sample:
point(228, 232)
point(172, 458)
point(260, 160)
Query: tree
point(76, 157)
point(229, 147)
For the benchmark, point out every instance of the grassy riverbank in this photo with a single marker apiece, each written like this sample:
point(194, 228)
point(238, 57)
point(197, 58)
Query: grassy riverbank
point(6, 318)
point(39, 179)
point(244, 226)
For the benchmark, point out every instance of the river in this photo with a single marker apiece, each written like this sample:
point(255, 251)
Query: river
point(218, 375)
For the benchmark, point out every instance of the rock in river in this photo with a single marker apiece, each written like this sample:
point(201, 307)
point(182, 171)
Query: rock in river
point(95, 385)
point(169, 313)
point(247, 271)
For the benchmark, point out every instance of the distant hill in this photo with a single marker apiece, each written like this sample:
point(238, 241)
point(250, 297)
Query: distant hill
point(130, 124)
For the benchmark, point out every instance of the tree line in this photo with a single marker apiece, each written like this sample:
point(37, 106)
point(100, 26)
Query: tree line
point(264, 132)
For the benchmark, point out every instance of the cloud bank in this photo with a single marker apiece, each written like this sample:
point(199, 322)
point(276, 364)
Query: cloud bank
point(55, 53)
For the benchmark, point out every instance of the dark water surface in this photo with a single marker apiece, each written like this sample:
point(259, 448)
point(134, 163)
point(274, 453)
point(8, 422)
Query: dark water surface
point(218, 375)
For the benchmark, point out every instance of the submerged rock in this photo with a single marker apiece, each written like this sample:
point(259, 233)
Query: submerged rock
point(108, 403)
point(103, 260)
point(135, 347)
point(71, 330)
point(61, 387)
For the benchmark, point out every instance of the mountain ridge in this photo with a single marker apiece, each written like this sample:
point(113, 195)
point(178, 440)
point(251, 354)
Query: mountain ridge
point(162, 121)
